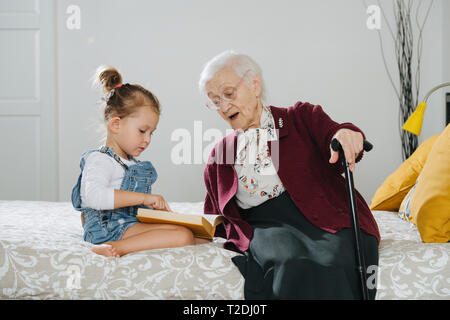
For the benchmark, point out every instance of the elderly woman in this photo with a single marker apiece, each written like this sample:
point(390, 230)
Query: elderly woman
point(279, 187)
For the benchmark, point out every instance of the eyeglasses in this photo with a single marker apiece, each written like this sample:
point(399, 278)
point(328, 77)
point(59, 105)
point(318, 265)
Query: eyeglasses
point(228, 94)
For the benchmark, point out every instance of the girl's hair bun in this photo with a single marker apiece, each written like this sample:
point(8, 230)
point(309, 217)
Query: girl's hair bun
point(121, 100)
point(107, 77)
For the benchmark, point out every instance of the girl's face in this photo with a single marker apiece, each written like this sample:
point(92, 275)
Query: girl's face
point(134, 131)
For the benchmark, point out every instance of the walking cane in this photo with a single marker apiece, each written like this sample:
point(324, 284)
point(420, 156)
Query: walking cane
point(336, 146)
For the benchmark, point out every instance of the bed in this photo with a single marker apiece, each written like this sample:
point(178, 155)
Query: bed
point(43, 256)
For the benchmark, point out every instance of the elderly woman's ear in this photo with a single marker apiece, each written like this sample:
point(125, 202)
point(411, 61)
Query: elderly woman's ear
point(256, 85)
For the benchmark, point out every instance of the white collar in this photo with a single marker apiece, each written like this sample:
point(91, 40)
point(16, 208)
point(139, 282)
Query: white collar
point(247, 141)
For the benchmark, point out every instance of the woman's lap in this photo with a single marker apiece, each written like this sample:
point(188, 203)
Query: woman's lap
point(298, 259)
point(309, 266)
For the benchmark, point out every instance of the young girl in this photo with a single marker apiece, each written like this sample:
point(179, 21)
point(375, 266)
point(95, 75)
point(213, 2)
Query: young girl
point(113, 184)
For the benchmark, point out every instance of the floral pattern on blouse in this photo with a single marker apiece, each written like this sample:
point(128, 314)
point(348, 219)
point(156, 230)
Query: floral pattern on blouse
point(257, 177)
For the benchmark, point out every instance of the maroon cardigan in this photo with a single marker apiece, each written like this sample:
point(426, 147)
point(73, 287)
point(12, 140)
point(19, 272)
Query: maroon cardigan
point(316, 186)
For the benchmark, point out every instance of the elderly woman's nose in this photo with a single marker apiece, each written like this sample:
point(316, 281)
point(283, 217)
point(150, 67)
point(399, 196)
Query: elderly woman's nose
point(225, 106)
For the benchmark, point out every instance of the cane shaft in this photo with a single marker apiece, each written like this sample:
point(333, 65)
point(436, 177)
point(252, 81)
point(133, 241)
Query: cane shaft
point(356, 228)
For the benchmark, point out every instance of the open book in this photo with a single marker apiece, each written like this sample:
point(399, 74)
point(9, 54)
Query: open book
point(203, 226)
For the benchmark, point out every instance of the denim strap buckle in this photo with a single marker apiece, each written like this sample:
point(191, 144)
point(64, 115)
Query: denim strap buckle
point(106, 150)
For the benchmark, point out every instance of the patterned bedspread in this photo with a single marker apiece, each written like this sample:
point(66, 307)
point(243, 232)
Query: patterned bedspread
point(43, 256)
point(409, 268)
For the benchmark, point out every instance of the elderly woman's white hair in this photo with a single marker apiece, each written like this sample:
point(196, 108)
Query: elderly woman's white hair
point(240, 63)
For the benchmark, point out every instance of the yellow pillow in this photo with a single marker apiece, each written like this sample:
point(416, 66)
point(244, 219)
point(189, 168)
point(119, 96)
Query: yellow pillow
point(391, 193)
point(430, 204)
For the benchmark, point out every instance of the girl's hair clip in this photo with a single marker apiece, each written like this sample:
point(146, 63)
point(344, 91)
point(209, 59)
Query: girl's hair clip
point(109, 94)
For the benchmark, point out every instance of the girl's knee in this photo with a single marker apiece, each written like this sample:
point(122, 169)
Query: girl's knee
point(185, 236)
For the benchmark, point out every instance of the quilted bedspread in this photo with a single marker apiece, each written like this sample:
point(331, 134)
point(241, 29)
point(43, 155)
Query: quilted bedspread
point(43, 256)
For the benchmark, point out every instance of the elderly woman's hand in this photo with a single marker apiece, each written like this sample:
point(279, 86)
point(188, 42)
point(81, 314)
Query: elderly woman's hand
point(352, 144)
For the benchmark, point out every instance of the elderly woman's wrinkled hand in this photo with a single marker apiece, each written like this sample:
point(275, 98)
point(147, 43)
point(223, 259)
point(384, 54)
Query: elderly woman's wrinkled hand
point(352, 144)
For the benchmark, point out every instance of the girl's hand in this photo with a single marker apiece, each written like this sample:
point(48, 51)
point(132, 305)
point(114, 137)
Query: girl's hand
point(156, 201)
point(352, 144)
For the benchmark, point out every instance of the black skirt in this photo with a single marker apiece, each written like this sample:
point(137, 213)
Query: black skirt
point(290, 258)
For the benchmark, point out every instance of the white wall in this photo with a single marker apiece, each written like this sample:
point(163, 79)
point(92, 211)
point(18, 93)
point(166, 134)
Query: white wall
point(316, 51)
point(432, 69)
point(446, 42)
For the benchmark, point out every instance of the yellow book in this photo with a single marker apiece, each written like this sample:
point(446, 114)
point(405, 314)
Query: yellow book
point(203, 226)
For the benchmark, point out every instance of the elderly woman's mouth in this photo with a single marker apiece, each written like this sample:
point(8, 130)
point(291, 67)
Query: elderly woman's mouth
point(233, 116)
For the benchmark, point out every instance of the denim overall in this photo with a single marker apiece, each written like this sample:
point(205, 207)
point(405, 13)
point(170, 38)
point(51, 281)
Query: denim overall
point(109, 225)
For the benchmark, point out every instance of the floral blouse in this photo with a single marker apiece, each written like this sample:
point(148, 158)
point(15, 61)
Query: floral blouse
point(257, 177)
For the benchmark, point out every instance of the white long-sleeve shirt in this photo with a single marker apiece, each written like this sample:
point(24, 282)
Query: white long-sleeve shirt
point(101, 176)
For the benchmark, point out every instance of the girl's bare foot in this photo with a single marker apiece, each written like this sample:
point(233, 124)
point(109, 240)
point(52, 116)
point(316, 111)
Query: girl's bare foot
point(106, 250)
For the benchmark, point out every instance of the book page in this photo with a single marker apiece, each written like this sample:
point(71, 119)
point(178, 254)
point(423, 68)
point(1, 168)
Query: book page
point(201, 225)
point(213, 219)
